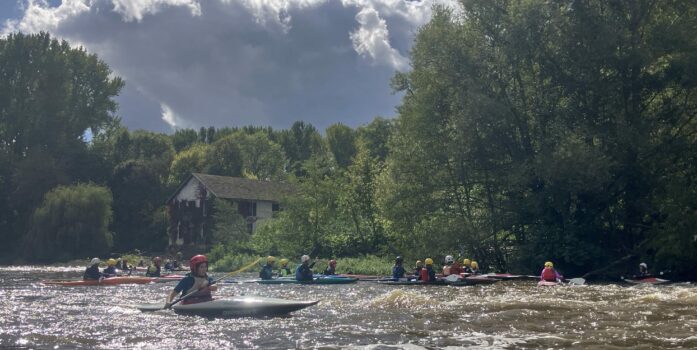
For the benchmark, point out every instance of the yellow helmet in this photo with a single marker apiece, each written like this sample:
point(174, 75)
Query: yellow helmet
point(111, 262)
point(284, 262)
point(549, 264)
point(466, 262)
point(419, 263)
point(270, 259)
point(429, 261)
point(475, 265)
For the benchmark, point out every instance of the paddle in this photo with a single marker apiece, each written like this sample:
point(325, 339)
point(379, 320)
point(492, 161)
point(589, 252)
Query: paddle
point(577, 281)
point(244, 268)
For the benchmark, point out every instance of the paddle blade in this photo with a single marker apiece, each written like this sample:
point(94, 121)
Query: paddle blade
point(577, 281)
point(151, 307)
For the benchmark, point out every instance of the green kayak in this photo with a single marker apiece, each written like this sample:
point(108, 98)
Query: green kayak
point(316, 280)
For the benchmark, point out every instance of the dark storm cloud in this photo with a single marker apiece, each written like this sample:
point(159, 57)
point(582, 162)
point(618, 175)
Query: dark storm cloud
point(231, 63)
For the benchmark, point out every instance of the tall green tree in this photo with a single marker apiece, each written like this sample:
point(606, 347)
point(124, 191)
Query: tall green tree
point(50, 94)
point(342, 143)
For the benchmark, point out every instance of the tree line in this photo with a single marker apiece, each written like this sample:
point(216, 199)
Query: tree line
point(528, 131)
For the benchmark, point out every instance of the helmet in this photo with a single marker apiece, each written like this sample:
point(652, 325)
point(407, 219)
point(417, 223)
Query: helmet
point(156, 260)
point(429, 261)
point(304, 258)
point(111, 262)
point(284, 262)
point(270, 259)
point(95, 261)
point(197, 260)
point(419, 263)
point(549, 264)
point(643, 265)
point(475, 265)
point(466, 262)
point(449, 259)
point(398, 260)
point(332, 262)
point(179, 255)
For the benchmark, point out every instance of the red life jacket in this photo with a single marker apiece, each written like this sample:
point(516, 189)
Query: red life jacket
point(446, 270)
point(424, 275)
point(548, 274)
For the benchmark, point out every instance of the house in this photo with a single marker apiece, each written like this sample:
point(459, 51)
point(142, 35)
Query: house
point(189, 208)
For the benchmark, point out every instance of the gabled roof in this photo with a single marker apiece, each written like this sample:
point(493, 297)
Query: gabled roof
point(239, 188)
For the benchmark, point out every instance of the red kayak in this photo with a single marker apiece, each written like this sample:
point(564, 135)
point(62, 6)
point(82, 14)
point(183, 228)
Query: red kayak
point(647, 280)
point(105, 282)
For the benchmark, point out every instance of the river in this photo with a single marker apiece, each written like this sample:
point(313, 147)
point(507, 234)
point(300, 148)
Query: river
point(364, 315)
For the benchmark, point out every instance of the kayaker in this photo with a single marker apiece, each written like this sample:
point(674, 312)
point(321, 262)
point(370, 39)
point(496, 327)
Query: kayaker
point(467, 266)
point(428, 274)
point(110, 270)
point(122, 264)
point(474, 267)
point(168, 265)
point(643, 270)
point(549, 274)
point(417, 269)
point(92, 271)
point(154, 269)
point(176, 265)
point(266, 272)
point(448, 263)
point(456, 268)
point(284, 270)
point(331, 268)
point(196, 280)
point(398, 268)
point(304, 271)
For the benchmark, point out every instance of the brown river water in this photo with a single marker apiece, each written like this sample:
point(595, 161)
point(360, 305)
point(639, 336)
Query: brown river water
point(363, 315)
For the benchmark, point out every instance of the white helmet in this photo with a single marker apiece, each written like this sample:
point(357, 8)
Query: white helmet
point(643, 265)
point(449, 259)
point(94, 261)
point(304, 258)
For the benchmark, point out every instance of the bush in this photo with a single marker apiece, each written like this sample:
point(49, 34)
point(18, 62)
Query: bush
point(71, 222)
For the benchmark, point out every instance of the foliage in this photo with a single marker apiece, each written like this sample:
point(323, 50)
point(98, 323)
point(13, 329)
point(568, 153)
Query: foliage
point(71, 222)
point(191, 160)
point(230, 228)
point(342, 143)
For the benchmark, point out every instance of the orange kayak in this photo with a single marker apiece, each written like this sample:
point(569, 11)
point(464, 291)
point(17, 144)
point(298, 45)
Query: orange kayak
point(105, 282)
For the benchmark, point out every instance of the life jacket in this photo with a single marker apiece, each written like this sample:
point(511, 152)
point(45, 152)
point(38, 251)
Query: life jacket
point(201, 296)
point(423, 275)
point(446, 270)
point(153, 271)
point(456, 269)
point(548, 274)
point(284, 271)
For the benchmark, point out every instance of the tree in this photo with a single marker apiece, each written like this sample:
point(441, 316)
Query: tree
point(342, 143)
point(184, 138)
point(50, 94)
point(71, 222)
point(224, 158)
point(261, 157)
point(299, 144)
point(191, 160)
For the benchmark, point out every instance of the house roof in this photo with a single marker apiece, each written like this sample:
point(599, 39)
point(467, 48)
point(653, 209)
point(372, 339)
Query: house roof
point(239, 188)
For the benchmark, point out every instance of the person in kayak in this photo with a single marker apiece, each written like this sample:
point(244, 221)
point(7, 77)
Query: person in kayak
point(448, 263)
point(428, 274)
point(154, 269)
point(196, 280)
point(110, 270)
point(643, 270)
point(122, 264)
point(304, 271)
point(466, 266)
point(549, 274)
point(474, 268)
point(92, 271)
point(398, 268)
point(283, 269)
point(417, 269)
point(168, 265)
point(456, 268)
point(266, 272)
point(331, 268)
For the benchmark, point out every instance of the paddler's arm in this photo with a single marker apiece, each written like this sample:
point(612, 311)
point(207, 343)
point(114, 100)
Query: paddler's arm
point(171, 296)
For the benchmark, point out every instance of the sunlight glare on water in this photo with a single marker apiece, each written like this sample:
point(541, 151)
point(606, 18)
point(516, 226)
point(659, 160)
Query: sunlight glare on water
point(364, 315)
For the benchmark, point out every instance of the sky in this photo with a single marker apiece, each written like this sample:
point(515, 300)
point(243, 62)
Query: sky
point(193, 63)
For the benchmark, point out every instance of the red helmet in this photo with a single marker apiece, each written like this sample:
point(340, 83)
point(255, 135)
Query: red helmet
point(157, 260)
point(197, 260)
point(332, 262)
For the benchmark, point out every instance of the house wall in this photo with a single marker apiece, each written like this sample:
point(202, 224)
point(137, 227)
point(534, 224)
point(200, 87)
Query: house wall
point(189, 192)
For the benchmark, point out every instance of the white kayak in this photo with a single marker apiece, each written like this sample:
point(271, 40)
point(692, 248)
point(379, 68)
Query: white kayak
point(234, 307)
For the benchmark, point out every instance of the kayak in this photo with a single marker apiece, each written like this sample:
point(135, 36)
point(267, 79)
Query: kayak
point(510, 277)
point(234, 307)
point(647, 280)
point(168, 278)
point(547, 284)
point(110, 281)
point(361, 277)
point(315, 280)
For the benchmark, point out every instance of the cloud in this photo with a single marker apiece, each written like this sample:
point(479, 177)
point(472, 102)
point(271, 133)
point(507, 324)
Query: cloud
point(192, 63)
